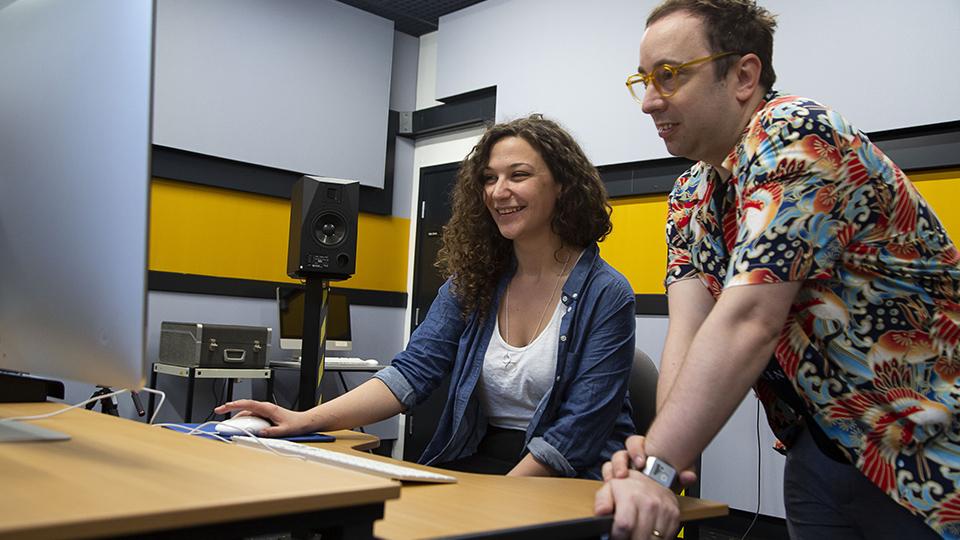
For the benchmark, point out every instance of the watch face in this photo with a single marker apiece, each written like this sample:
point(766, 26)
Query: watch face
point(660, 472)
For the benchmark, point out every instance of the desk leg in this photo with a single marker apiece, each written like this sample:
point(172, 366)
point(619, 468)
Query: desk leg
point(191, 380)
point(153, 384)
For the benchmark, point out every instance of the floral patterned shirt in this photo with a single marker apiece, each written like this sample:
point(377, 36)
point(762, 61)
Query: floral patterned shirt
point(872, 341)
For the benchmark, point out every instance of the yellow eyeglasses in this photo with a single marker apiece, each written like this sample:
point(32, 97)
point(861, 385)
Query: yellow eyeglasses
point(665, 78)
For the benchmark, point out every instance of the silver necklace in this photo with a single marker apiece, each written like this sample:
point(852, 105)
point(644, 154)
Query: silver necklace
point(543, 312)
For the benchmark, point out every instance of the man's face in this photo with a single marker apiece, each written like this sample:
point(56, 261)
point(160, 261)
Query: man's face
point(695, 121)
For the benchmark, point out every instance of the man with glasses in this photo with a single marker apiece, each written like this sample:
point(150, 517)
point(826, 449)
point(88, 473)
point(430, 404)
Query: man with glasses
point(802, 262)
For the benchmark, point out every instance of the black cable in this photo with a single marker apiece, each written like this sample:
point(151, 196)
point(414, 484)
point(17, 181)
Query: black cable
point(216, 398)
point(759, 456)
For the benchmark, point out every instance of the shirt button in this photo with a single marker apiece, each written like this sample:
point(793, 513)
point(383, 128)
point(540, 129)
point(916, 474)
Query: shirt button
point(574, 295)
point(558, 378)
point(569, 309)
point(563, 338)
point(564, 299)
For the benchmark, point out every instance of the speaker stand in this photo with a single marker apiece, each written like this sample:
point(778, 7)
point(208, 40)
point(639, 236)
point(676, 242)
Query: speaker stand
point(314, 341)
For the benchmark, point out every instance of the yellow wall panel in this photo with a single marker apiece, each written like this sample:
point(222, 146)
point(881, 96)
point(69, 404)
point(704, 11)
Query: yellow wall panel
point(637, 245)
point(381, 254)
point(942, 190)
point(225, 233)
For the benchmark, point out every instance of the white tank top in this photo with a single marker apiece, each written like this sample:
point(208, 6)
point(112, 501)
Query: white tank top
point(515, 379)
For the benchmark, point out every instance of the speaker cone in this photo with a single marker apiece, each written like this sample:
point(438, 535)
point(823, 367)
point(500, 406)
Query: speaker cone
point(329, 229)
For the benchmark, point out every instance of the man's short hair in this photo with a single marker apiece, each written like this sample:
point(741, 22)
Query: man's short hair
point(739, 26)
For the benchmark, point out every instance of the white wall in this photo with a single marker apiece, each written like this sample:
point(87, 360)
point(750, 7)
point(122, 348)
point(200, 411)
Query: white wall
point(883, 63)
point(296, 84)
point(403, 97)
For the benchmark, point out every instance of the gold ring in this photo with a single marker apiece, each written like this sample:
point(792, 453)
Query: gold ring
point(657, 533)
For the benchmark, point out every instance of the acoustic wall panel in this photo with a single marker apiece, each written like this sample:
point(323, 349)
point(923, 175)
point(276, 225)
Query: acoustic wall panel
point(302, 85)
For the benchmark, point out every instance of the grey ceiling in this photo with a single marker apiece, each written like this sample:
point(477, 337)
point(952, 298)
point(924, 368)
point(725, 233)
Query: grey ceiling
point(414, 17)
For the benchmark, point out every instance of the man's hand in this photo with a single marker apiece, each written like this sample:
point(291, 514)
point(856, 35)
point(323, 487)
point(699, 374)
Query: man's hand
point(635, 456)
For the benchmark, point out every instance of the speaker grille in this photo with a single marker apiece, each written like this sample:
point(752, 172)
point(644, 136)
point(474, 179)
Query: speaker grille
point(329, 229)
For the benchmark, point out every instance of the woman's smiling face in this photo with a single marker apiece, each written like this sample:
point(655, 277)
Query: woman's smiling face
point(519, 190)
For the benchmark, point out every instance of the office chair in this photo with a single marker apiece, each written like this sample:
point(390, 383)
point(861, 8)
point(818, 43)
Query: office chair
point(643, 400)
point(643, 390)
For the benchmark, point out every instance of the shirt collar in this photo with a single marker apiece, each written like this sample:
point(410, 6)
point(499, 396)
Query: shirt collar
point(578, 276)
point(730, 162)
point(573, 287)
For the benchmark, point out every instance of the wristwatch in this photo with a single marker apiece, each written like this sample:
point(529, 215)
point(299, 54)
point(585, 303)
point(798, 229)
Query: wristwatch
point(662, 473)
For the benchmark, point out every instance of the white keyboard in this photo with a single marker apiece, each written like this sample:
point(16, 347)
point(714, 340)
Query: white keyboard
point(341, 361)
point(332, 362)
point(348, 461)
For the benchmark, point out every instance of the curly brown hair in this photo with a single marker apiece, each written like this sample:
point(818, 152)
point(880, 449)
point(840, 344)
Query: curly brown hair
point(739, 26)
point(474, 253)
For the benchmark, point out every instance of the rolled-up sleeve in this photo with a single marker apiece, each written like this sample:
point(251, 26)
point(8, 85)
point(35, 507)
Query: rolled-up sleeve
point(548, 455)
point(398, 384)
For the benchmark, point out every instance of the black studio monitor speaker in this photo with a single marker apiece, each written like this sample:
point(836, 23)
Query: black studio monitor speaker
point(323, 228)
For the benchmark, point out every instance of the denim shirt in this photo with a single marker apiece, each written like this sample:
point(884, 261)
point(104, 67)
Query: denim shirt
point(584, 417)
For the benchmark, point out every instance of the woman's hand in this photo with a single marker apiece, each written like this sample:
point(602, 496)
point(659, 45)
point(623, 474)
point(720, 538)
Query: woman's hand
point(285, 422)
point(641, 508)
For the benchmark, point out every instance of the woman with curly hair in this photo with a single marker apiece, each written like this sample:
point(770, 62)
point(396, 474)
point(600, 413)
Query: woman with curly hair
point(535, 330)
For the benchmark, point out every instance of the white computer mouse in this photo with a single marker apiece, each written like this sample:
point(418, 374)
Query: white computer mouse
point(236, 425)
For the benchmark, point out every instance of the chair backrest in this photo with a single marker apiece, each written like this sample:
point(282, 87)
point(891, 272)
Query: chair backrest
point(643, 390)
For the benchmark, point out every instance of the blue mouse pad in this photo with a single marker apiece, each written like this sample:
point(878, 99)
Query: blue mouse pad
point(209, 430)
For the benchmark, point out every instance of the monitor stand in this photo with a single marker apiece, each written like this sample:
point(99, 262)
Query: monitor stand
point(18, 388)
point(23, 432)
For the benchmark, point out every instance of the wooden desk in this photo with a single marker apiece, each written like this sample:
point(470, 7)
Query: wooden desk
point(498, 506)
point(121, 477)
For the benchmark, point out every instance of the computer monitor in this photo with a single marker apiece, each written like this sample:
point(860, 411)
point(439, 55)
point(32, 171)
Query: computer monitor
point(290, 307)
point(75, 129)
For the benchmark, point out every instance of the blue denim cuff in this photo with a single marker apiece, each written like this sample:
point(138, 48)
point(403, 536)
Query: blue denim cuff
point(550, 456)
point(397, 384)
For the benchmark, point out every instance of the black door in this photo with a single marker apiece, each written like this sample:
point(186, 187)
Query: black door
point(433, 212)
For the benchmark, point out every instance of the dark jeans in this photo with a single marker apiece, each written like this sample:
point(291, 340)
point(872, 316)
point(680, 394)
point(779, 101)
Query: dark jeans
point(828, 499)
point(499, 451)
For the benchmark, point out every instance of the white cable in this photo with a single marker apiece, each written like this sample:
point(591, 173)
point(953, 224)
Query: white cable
point(61, 411)
point(163, 397)
point(198, 431)
point(268, 447)
point(195, 431)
